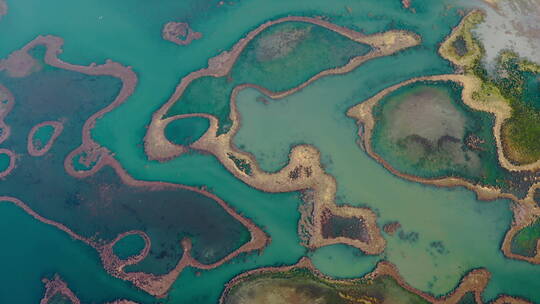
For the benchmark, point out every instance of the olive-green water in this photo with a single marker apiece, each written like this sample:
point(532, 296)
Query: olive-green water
point(455, 232)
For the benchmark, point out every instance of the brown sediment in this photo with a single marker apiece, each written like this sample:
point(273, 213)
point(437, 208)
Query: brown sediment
point(162, 148)
point(179, 33)
point(463, 30)
point(12, 161)
point(406, 3)
point(3, 8)
point(57, 286)
point(19, 64)
point(364, 116)
point(157, 147)
point(6, 104)
point(524, 215)
point(391, 227)
point(525, 210)
point(156, 285)
point(475, 281)
point(323, 186)
point(493, 3)
point(510, 300)
point(32, 150)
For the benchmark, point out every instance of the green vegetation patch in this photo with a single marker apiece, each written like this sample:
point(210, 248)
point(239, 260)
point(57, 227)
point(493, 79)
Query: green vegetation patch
point(280, 58)
point(520, 86)
point(303, 287)
point(240, 163)
point(524, 242)
point(424, 129)
point(462, 48)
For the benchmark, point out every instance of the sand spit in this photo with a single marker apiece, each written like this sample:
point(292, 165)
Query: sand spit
point(475, 281)
point(179, 33)
point(304, 171)
point(12, 161)
point(363, 114)
point(32, 150)
point(526, 211)
point(155, 285)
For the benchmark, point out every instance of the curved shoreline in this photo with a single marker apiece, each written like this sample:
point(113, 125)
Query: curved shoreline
point(12, 162)
point(58, 128)
point(525, 210)
point(498, 106)
point(5, 108)
point(364, 116)
point(474, 281)
point(58, 286)
point(3, 8)
point(304, 170)
point(524, 215)
point(172, 30)
point(157, 147)
point(153, 284)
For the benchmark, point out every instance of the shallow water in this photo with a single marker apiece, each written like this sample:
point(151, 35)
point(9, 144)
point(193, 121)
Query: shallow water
point(32, 250)
point(470, 232)
point(187, 130)
point(42, 136)
point(129, 245)
point(5, 159)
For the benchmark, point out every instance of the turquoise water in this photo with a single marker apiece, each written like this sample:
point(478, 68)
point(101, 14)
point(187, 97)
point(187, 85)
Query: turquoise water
point(470, 231)
point(475, 165)
point(130, 33)
point(187, 130)
point(129, 245)
point(5, 159)
point(42, 136)
point(32, 250)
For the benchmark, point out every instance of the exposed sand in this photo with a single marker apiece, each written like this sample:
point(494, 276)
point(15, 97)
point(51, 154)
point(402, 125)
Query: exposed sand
point(19, 64)
point(475, 281)
point(179, 33)
point(526, 211)
point(12, 162)
point(32, 150)
point(156, 285)
point(57, 286)
point(322, 185)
